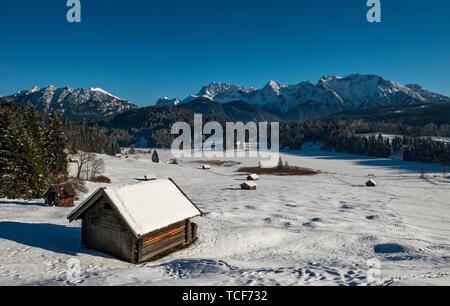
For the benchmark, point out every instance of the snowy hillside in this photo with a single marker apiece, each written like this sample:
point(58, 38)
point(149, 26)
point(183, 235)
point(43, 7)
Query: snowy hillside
point(299, 230)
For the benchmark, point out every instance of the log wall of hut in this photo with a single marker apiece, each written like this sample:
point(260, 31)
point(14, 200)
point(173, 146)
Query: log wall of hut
point(65, 202)
point(105, 231)
point(163, 240)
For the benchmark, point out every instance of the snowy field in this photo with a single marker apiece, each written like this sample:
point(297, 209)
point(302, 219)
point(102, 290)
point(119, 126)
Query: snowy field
point(300, 230)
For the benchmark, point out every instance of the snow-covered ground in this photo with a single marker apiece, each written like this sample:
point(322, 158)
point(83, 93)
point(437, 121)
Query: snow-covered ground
point(308, 230)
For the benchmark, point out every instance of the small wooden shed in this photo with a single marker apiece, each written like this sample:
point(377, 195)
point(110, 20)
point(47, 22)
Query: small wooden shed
point(249, 186)
point(371, 183)
point(61, 195)
point(253, 177)
point(137, 222)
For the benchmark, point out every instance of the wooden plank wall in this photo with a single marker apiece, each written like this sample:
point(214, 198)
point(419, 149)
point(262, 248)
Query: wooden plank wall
point(163, 240)
point(104, 230)
point(67, 202)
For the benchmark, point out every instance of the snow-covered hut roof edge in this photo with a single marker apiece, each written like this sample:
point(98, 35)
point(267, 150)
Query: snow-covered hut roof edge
point(145, 207)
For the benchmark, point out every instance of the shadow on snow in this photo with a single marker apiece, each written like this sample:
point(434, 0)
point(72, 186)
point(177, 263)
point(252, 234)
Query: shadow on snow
point(51, 237)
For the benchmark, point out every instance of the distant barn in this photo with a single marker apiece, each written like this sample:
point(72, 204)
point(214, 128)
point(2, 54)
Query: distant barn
point(61, 195)
point(137, 222)
point(249, 186)
point(253, 177)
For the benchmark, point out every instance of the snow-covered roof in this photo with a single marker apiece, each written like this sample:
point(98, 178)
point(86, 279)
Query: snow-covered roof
point(147, 206)
point(250, 184)
point(253, 177)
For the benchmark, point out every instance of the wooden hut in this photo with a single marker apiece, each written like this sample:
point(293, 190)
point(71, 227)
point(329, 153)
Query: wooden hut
point(61, 195)
point(371, 183)
point(249, 186)
point(253, 177)
point(137, 222)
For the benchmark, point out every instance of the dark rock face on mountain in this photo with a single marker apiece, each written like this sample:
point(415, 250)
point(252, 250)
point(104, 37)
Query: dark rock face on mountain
point(236, 110)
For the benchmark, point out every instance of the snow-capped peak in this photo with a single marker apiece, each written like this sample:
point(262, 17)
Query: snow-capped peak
point(222, 92)
point(274, 85)
point(89, 103)
point(101, 90)
point(34, 89)
point(327, 78)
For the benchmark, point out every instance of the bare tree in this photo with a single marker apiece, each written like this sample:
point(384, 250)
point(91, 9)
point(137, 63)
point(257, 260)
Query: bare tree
point(97, 168)
point(82, 159)
point(88, 164)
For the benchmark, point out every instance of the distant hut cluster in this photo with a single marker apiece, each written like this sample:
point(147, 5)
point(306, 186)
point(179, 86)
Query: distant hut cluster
point(251, 182)
point(137, 222)
point(61, 195)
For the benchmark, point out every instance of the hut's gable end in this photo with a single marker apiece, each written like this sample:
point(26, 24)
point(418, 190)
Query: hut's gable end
point(103, 213)
point(104, 230)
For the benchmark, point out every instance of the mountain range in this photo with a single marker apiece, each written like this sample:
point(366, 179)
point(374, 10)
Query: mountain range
point(275, 101)
point(330, 95)
point(94, 104)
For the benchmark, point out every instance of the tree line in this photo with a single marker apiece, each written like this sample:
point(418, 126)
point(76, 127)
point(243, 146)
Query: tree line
point(34, 149)
point(32, 152)
point(94, 139)
point(348, 136)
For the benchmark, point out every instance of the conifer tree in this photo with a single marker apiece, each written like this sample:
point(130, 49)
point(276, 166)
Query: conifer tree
point(35, 156)
point(17, 179)
point(54, 146)
point(155, 157)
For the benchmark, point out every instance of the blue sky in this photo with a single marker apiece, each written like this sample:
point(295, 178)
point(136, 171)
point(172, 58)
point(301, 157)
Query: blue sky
point(143, 49)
